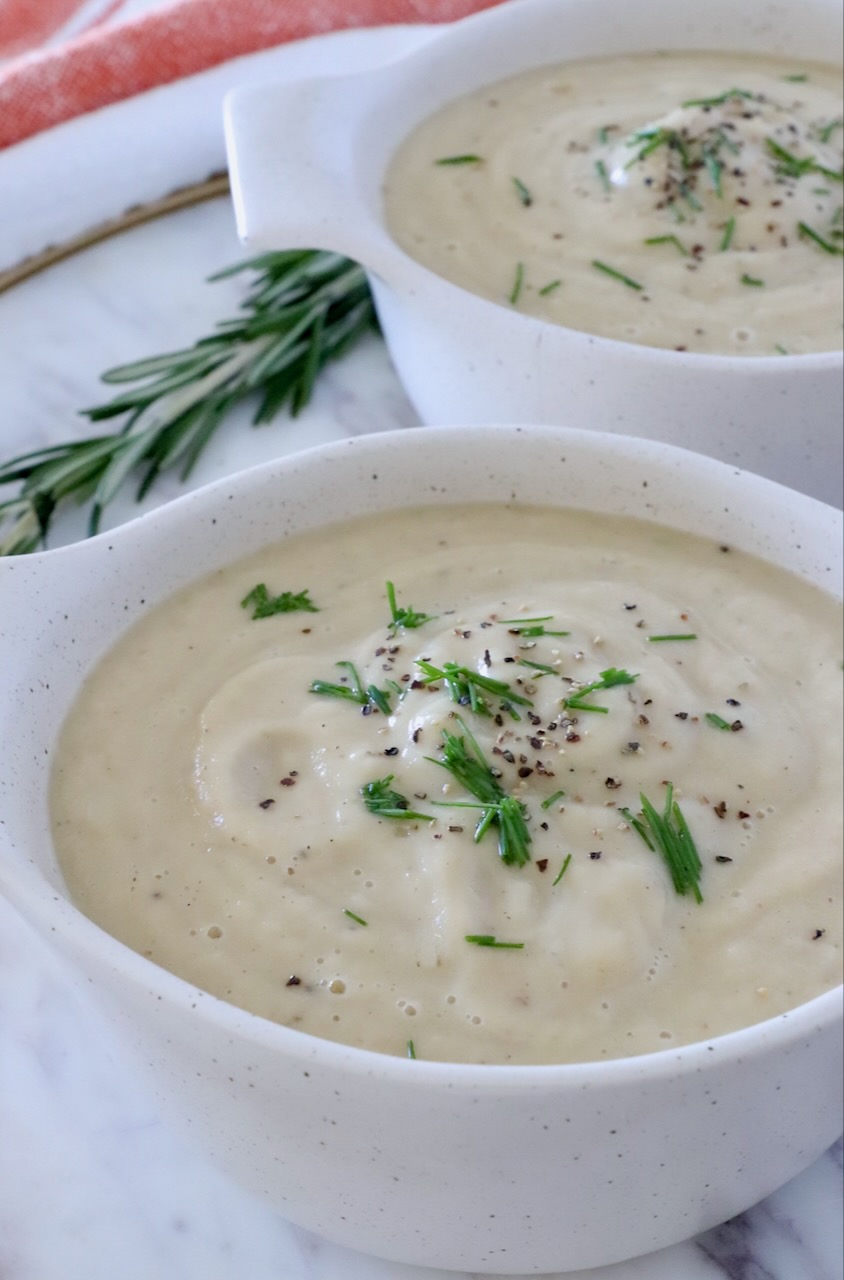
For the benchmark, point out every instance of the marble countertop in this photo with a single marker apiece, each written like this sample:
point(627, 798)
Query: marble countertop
point(93, 1185)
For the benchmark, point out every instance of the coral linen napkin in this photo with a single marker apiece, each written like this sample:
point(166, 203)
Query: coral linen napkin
point(63, 58)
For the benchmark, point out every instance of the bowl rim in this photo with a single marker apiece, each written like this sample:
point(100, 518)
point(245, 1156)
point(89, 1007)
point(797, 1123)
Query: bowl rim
point(29, 890)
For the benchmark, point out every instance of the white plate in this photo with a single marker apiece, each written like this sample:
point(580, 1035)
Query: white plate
point(92, 1186)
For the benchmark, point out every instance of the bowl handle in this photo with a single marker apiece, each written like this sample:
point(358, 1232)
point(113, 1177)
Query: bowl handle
point(291, 161)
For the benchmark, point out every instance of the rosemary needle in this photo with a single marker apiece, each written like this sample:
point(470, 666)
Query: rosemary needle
point(304, 308)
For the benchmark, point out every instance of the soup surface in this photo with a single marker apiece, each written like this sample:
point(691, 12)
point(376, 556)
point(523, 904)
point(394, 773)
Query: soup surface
point(480, 784)
point(688, 201)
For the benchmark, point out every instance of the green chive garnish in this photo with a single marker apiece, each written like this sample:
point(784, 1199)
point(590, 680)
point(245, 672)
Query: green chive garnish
point(617, 275)
point(381, 800)
point(668, 834)
point(518, 282)
point(608, 680)
point(505, 813)
point(266, 606)
point(808, 233)
point(354, 691)
point(675, 240)
point(352, 916)
point(721, 98)
point(549, 800)
point(490, 940)
point(752, 280)
point(465, 684)
point(531, 626)
point(680, 636)
point(601, 170)
point(523, 193)
point(727, 238)
point(462, 159)
point(829, 129)
point(405, 617)
point(562, 870)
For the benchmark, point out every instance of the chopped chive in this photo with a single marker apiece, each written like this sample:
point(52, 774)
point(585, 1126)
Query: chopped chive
point(679, 636)
point(800, 78)
point(532, 626)
point(504, 812)
point(608, 680)
point(604, 133)
point(464, 684)
point(727, 238)
point(266, 606)
point(791, 166)
point(601, 170)
point(675, 240)
point(718, 722)
point(690, 198)
point(827, 131)
point(563, 869)
point(490, 940)
point(523, 193)
point(515, 292)
point(715, 169)
point(653, 139)
point(617, 275)
point(668, 834)
point(752, 280)
point(381, 800)
point(808, 233)
point(461, 159)
point(367, 698)
point(411, 1049)
point(542, 667)
point(352, 916)
point(404, 617)
point(780, 349)
point(549, 800)
point(549, 288)
point(717, 102)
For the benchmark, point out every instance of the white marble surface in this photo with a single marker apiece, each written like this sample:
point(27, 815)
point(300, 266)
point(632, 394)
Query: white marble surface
point(93, 1186)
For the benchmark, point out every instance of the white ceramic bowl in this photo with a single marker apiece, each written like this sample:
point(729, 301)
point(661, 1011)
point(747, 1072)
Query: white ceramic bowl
point(307, 164)
point(490, 1169)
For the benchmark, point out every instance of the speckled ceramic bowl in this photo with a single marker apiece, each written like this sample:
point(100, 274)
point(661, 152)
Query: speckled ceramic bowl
point(308, 162)
point(488, 1169)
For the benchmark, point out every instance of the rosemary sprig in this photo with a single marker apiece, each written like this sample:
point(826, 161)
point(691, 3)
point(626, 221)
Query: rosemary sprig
point(305, 308)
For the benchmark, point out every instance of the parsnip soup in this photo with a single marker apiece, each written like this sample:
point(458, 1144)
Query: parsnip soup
point(473, 783)
point(689, 201)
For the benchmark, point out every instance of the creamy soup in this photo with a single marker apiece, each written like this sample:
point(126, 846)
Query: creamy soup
point(476, 784)
point(688, 201)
